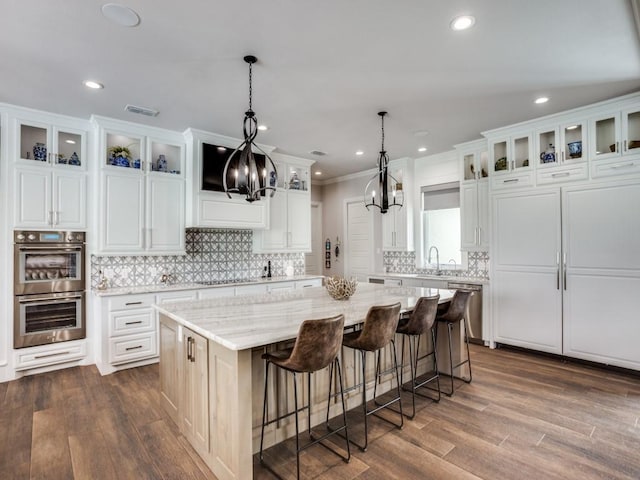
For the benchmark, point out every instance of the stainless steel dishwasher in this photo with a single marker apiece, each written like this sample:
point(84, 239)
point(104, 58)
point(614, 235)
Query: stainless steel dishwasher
point(474, 315)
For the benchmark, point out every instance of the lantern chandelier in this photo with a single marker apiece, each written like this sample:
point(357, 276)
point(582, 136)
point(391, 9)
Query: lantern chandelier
point(388, 188)
point(249, 178)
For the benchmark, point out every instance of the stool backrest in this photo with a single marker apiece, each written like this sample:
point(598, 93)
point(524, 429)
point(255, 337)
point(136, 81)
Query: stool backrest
point(317, 344)
point(423, 316)
point(458, 306)
point(379, 326)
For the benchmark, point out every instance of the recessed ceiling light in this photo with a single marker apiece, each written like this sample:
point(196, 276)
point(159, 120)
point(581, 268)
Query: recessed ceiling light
point(120, 15)
point(540, 100)
point(318, 172)
point(572, 127)
point(462, 22)
point(422, 149)
point(71, 142)
point(359, 152)
point(263, 127)
point(93, 84)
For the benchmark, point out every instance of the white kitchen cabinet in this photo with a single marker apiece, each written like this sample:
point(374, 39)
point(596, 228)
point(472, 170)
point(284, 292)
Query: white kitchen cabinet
point(397, 223)
point(566, 162)
point(526, 244)
point(49, 179)
point(129, 333)
point(602, 274)
point(48, 198)
point(474, 196)
point(142, 198)
point(615, 142)
point(565, 269)
point(289, 211)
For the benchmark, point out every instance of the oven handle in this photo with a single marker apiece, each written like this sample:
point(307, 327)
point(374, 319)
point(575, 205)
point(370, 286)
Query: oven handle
point(49, 299)
point(62, 248)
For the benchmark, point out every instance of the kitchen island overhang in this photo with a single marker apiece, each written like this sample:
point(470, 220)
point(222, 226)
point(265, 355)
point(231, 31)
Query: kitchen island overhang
point(216, 344)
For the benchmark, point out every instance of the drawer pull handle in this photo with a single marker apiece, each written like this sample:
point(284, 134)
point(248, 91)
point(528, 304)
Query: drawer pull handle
point(511, 180)
point(133, 303)
point(134, 323)
point(563, 174)
point(133, 348)
point(51, 355)
point(623, 165)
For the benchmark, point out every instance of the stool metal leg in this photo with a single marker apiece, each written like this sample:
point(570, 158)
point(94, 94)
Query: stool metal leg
point(449, 329)
point(264, 409)
point(295, 408)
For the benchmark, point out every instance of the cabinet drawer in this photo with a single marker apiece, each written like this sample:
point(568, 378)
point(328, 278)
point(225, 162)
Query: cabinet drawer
point(49, 355)
point(511, 181)
point(132, 347)
point(126, 302)
point(563, 174)
point(618, 167)
point(316, 282)
point(132, 321)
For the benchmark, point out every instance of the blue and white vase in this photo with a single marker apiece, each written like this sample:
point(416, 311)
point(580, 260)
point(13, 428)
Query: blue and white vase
point(40, 152)
point(74, 160)
point(136, 163)
point(161, 164)
point(121, 161)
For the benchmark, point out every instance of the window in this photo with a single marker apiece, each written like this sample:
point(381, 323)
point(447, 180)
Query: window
point(441, 224)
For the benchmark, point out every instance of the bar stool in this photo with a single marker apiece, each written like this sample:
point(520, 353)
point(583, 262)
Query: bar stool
point(316, 347)
point(421, 321)
point(457, 312)
point(377, 332)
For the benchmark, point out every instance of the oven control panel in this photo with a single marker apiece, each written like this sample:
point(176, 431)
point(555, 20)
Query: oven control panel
point(21, 236)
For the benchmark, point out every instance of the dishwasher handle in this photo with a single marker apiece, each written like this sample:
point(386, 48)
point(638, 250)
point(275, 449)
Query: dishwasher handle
point(464, 286)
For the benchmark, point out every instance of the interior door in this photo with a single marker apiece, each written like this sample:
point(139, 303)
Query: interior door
point(359, 242)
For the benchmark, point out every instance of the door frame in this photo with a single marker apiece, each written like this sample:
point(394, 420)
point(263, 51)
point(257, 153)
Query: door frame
point(319, 254)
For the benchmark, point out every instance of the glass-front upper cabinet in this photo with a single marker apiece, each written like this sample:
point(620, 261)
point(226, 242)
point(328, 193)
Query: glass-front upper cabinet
point(631, 131)
point(572, 139)
point(475, 165)
point(123, 150)
point(616, 134)
point(165, 157)
point(50, 144)
point(546, 147)
point(297, 177)
point(510, 155)
point(560, 145)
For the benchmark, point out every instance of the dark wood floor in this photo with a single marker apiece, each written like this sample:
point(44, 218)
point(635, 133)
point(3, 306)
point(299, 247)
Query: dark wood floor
point(524, 416)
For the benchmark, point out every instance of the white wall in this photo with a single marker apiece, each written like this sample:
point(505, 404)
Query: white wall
point(6, 290)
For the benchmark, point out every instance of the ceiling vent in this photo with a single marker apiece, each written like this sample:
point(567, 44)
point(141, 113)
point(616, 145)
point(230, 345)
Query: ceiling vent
point(149, 112)
point(318, 153)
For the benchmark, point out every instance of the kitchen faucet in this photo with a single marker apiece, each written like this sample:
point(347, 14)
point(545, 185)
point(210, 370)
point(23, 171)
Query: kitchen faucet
point(437, 258)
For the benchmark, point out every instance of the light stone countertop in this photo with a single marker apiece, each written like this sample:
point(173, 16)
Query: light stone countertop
point(239, 323)
point(195, 286)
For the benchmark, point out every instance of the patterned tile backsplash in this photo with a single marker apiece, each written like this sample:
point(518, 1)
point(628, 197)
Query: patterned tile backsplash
point(212, 254)
point(405, 262)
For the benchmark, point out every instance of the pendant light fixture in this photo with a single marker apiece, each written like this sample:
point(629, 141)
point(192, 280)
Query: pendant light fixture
point(248, 177)
point(383, 190)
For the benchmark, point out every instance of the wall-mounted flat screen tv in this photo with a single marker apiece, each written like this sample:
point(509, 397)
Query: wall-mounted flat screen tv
point(214, 158)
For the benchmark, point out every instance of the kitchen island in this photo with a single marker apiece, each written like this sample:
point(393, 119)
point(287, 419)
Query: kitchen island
point(211, 373)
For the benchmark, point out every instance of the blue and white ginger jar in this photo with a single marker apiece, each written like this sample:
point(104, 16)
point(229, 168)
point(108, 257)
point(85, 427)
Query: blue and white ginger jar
point(40, 152)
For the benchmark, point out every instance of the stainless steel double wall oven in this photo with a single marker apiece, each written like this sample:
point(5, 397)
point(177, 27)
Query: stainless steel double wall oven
point(49, 287)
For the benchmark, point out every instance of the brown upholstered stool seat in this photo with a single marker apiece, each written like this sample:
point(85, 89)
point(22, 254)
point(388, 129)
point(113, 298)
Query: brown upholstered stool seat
point(457, 313)
point(316, 347)
point(420, 322)
point(377, 332)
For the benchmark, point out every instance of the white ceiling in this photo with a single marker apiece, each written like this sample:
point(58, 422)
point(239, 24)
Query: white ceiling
point(325, 68)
